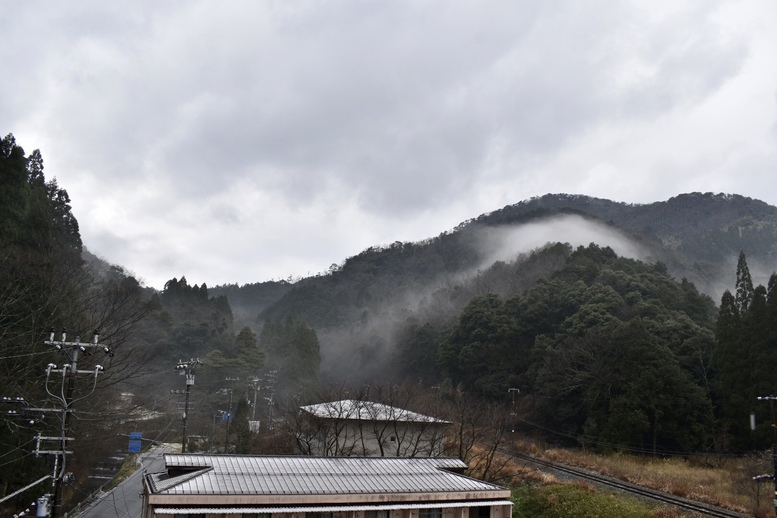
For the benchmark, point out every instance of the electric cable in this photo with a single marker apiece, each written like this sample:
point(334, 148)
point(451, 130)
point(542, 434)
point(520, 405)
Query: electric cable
point(17, 448)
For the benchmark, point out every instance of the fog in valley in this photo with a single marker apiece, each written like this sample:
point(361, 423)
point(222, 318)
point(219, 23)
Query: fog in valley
point(363, 350)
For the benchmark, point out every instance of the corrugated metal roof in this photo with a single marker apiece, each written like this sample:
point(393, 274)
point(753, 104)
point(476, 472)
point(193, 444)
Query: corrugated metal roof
point(174, 481)
point(301, 475)
point(326, 508)
point(367, 410)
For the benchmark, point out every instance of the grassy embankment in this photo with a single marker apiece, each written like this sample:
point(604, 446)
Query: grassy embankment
point(722, 481)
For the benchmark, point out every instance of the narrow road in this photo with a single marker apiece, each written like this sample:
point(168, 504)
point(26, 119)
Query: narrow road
point(124, 500)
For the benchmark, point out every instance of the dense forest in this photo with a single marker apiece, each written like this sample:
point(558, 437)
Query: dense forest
point(45, 282)
point(656, 336)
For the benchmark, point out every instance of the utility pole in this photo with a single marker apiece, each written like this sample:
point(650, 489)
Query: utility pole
point(186, 369)
point(270, 400)
point(771, 400)
point(256, 385)
point(65, 396)
point(513, 392)
point(212, 448)
point(229, 412)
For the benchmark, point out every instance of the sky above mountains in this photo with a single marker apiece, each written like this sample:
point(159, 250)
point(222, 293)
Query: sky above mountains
point(246, 141)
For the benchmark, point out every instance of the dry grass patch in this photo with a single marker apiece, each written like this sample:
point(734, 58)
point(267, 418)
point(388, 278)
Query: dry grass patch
point(726, 482)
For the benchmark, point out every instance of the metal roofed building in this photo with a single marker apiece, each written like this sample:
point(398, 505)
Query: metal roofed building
point(367, 429)
point(216, 486)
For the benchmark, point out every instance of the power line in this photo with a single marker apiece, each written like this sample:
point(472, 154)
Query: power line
point(16, 449)
point(24, 355)
point(17, 459)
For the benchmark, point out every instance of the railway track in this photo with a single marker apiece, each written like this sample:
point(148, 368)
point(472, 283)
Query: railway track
point(652, 494)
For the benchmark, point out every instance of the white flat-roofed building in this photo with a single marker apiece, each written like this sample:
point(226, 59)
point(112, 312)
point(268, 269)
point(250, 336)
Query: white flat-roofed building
point(366, 429)
point(236, 486)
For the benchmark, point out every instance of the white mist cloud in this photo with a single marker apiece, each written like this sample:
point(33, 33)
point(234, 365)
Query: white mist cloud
point(506, 243)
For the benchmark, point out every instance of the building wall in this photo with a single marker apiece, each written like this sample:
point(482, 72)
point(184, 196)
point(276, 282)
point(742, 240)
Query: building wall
point(379, 439)
point(504, 511)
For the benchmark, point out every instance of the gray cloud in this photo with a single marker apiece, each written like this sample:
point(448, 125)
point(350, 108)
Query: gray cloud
point(365, 122)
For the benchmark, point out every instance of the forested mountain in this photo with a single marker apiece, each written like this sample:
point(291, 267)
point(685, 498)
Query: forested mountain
point(402, 312)
point(603, 314)
point(363, 304)
point(607, 350)
point(698, 236)
point(707, 231)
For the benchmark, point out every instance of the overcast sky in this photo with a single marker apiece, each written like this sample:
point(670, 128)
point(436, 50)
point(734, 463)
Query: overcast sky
point(246, 141)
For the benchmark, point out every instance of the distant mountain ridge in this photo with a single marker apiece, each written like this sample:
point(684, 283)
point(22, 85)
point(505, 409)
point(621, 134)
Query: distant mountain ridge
point(697, 235)
point(706, 230)
point(681, 218)
point(391, 313)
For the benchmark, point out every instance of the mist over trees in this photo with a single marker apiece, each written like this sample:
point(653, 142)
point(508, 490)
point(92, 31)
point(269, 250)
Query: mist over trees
point(608, 352)
point(604, 351)
point(293, 351)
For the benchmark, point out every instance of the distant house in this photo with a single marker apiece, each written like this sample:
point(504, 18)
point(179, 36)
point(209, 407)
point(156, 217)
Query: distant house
point(362, 428)
point(234, 486)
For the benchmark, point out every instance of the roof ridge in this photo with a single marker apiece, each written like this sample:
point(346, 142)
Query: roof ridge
point(163, 484)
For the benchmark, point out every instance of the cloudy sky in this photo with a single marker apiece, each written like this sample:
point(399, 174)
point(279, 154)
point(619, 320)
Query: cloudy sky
point(241, 141)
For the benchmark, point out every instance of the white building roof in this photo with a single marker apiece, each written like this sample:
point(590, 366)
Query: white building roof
point(367, 410)
point(306, 476)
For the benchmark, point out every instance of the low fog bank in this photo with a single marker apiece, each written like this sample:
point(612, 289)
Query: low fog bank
point(505, 243)
point(508, 242)
point(365, 351)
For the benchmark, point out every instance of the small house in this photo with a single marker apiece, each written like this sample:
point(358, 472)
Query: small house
point(363, 428)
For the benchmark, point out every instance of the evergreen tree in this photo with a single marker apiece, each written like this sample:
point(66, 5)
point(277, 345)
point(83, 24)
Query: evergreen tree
point(292, 348)
point(745, 357)
point(744, 284)
point(731, 363)
point(14, 191)
point(240, 428)
point(415, 356)
point(481, 351)
point(35, 168)
point(45, 282)
point(249, 356)
point(757, 332)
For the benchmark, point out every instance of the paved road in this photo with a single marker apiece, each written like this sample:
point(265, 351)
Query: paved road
point(124, 500)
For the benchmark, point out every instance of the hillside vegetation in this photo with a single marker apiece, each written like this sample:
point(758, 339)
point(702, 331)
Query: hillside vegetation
point(593, 323)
